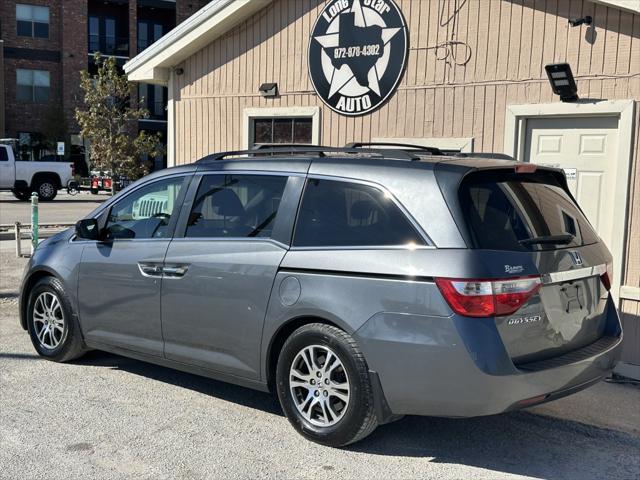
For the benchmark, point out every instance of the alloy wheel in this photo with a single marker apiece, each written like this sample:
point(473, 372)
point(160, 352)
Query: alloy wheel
point(46, 190)
point(48, 320)
point(319, 385)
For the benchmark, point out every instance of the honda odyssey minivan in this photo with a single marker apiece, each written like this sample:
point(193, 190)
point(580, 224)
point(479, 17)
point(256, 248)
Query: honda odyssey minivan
point(360, 284)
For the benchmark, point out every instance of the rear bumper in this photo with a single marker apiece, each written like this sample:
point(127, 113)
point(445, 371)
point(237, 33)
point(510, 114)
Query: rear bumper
point(458, 367)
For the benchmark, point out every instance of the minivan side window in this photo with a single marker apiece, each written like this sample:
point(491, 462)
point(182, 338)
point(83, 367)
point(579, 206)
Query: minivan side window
point(236, 206)
point(343, 214)
point(146, 212)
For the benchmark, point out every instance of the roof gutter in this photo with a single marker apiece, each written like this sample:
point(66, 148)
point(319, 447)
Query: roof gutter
point(213, 20)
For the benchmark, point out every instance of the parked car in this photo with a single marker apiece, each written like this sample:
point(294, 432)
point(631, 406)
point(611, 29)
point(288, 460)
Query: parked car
point(360, 284)
point(24, 177)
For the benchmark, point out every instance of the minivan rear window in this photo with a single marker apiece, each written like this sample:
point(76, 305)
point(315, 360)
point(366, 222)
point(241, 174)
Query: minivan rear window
point(522, 212)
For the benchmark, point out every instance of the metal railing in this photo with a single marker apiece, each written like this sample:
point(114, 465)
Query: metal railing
point(33, 228)
point(25, 231)
point(117, 46)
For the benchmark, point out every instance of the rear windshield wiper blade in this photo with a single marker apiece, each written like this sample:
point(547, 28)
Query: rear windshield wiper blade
point(553, 239)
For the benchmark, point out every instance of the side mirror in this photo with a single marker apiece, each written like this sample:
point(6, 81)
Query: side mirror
point(88, 229)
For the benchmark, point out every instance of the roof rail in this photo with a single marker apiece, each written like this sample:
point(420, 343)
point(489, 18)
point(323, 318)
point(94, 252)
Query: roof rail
point(318, 150)
point(262, 146)
point(400, 146)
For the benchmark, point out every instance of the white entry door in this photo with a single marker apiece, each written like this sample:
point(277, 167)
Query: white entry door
point(586, 147)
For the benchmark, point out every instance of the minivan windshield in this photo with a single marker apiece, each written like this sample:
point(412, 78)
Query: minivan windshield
point(522, 212)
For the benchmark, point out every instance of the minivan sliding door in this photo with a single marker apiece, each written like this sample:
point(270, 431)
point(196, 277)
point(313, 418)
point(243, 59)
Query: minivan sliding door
point(229, 244)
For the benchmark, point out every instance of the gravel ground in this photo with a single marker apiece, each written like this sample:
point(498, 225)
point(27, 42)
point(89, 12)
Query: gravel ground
point(106, 416)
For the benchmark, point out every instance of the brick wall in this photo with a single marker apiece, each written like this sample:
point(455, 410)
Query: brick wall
point(67, 42)
point(29, 116)
point(8, 25)
point(2, 130)
point(133, 28)
point(186, 8)
point(74, 56)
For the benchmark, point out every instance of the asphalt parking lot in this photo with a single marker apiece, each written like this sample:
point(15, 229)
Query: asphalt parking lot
point(106, 416)
point(64, 209)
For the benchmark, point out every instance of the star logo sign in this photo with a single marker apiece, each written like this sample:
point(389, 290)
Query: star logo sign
point(357, 53)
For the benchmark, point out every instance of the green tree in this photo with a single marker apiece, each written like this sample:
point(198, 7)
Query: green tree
point(108, 122)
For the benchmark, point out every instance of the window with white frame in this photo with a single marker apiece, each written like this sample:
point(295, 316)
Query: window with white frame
point(295, 130)
point(32, 85)
point(32, 21)
point(281, 125)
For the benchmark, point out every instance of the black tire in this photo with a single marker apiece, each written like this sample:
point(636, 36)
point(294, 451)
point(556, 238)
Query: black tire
point(71, 345)
point(359, 419)
point(22, 195)
point(47, 189)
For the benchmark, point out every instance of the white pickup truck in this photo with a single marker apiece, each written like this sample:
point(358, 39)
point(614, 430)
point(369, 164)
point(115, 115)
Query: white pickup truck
point(22, 177)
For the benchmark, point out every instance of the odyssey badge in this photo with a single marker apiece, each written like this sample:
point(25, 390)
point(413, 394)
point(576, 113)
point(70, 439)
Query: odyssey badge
point(357, 54)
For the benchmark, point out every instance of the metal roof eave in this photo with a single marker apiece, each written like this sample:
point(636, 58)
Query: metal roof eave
point(210, 22)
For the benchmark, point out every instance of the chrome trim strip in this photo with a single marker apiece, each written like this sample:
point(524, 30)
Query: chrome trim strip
point(568, 275)
point(231, 239)
point(365, 247)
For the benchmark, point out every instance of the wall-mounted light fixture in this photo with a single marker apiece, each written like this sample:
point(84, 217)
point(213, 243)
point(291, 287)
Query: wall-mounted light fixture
point(576, 22)
point(562, 81)
point(179, 71)
point(268, 89)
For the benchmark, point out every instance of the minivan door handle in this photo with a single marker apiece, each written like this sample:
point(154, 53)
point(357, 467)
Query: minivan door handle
point(175, 271)
point(153, 270)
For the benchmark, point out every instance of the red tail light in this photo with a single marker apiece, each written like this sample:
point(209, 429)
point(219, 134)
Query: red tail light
point(487, 298)
point(607, 277)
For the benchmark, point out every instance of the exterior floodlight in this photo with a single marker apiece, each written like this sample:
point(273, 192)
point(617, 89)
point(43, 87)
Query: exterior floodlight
point(562, 81)
point(576, 22)
point(268, 89)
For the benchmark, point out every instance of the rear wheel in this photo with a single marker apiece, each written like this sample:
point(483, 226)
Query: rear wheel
point(22, 195)
point(323, 386)
point(53, 329)
point(46, 189)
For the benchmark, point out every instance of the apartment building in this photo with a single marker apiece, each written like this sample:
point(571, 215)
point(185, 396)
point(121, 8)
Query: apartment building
point(47, 43)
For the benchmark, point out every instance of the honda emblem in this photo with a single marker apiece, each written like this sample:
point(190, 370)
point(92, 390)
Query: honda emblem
point(577, 259)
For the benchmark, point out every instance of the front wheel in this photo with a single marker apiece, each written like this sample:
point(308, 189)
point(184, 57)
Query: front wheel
point(323, 386)
point(53, 329)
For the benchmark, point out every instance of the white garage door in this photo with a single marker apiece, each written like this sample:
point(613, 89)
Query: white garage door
point(586, 147)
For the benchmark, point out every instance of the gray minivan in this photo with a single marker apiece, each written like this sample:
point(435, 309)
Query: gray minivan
point(361, 284)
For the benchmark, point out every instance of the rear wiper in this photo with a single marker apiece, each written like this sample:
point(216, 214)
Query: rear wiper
point(554, 239)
